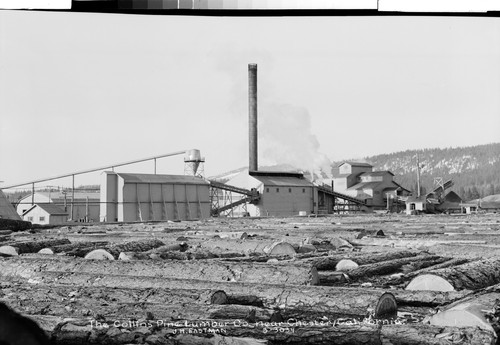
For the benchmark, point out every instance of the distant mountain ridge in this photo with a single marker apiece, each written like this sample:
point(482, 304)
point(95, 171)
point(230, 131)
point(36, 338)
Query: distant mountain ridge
point(475, 170)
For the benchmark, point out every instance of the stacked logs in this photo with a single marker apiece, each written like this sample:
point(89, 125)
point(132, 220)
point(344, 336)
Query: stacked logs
point(154, 292)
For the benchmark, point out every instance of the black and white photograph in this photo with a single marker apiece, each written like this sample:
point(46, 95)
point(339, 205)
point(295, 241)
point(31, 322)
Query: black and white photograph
point(246, 172)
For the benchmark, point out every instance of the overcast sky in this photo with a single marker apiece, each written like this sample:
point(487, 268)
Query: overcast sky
point(79, 91)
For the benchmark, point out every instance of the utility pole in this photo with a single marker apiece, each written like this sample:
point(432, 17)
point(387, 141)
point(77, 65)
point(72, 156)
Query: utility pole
point(418, 177)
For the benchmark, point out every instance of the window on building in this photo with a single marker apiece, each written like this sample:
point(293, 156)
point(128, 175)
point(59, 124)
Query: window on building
point(303, 190)
point(277, 190)
point(42, 219)
point(289, 190)
point(267, 190)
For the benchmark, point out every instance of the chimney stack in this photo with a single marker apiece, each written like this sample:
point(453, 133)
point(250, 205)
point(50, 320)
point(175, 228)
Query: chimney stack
point(252, 116)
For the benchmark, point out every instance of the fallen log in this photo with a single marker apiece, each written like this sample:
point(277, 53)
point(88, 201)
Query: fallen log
point(473, 275)
point(70, 302)
point(385, 267)
point(255, 257)
point(221, 234)
point(134, 246)
point(14, 224)
point(370, 233)
point(279, 248)
point(78, 331)
point(292, 301)
point(400, 278)
point(478, 311)
point(178, 255)
point(280, 273)
point(115, 250)
point(64, 248)
point(408, 243)
point(449, 263)
point(419, 265)
point(249, 246)
point(329, 263)
point(33, 246)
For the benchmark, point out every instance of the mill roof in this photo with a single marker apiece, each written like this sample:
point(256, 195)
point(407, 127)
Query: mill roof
point(357, 164)
point(155, 178)
point(288, 179)
point(364, 185)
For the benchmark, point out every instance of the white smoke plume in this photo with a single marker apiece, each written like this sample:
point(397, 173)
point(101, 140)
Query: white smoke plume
point(284, 130)
point(286, 137)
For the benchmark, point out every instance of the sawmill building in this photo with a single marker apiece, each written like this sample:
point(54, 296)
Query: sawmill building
point(360, 181)
point(152, 197)
point(282, 193)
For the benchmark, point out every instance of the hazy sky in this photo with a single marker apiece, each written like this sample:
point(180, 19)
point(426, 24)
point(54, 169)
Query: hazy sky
point(79, 91)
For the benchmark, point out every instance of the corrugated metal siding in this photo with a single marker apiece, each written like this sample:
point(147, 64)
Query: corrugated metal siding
point(164, 199)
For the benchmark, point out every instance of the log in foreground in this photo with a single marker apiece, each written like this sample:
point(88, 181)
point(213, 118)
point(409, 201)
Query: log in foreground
point(35, 246)
point(78, 304)
point(279, 273)
point(473, 275)
point(78, 331)
point(292, 301)
point(480, 309)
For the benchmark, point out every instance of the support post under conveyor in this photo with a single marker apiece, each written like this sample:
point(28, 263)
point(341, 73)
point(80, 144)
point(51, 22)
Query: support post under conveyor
point(252, 196)
point(348, 202)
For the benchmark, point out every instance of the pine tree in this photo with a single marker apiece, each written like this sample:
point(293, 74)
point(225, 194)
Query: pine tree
point(475, 193)
point(490, 190)
point(461, 192)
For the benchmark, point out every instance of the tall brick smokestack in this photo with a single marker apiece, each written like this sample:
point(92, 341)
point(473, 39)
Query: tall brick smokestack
point(252, 117)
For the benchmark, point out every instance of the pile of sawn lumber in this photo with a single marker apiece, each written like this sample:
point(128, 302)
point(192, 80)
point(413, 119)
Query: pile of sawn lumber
point(154, 292)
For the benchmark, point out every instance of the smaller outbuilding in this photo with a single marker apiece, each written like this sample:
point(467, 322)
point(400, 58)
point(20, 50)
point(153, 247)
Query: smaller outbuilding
point(415, 205)
point(80, 206)
point(45, 214)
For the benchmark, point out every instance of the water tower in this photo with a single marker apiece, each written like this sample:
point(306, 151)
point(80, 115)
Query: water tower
point(194, 163)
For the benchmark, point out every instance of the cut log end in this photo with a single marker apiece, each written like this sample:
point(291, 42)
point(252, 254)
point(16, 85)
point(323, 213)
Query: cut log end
point(386, 306)
point(8, 250)
point(219, 297)
point(346, 265)
point(429, 282)
point(46, 251)
point(99, 254)
point(280, 248)
point(462, 315)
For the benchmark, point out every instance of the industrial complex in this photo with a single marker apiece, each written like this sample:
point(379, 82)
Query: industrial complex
point(131, 197)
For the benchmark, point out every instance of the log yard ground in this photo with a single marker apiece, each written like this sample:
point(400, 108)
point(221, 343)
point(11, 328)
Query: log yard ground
point(338, 279)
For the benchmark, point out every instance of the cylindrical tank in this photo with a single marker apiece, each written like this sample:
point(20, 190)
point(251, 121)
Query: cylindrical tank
point(193, 155)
